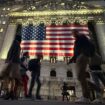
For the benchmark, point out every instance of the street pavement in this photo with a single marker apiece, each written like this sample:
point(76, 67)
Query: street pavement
point(40, 102)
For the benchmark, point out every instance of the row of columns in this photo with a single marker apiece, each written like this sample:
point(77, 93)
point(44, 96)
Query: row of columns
point(8, 39)
point(100, 34)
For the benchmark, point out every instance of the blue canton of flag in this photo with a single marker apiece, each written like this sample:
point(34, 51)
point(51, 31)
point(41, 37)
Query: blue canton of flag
point(33, 32)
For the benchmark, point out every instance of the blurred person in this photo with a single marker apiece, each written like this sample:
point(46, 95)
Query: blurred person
point(83, 50)
point(23, 70)
point(12, 68)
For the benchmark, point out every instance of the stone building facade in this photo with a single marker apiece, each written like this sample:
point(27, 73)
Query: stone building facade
point(53, 75)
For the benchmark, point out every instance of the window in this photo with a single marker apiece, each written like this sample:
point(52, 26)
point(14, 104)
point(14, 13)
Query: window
point(53, 59)
point(71, 90)
point(53, 73)
point(66, 59)
point(69, 73)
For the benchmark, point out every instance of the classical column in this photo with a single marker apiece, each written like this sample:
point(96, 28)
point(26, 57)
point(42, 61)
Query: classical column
point(10, 33)
point(100, 32)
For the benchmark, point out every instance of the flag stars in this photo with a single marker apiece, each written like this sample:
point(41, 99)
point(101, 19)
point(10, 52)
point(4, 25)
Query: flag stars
point(33, 33)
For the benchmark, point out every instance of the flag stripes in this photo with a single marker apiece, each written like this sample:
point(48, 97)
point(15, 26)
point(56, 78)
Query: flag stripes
point(52, 40)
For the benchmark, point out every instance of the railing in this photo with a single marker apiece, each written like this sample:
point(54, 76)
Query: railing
point(58, 79)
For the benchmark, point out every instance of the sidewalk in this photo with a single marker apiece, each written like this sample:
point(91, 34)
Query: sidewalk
point(38, 102)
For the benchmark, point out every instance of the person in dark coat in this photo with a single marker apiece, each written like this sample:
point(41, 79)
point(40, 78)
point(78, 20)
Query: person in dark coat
point(83, 50)
point(34, 66)
point(82, 45)
point(12, 70)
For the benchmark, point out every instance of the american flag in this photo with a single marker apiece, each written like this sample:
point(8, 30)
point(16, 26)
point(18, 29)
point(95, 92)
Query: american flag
point(52, 40)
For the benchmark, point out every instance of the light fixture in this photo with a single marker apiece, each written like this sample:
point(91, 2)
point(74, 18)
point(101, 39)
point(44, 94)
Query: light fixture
point(1, 30)
point(8, 9)
point(4, 9)
point(4, 22)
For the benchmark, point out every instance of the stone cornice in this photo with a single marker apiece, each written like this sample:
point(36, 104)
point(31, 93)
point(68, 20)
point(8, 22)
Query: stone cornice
point(58, 20)
point(57, 12)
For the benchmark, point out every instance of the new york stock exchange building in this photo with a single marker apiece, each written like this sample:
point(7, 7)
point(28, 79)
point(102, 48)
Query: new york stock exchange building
point(46, 27)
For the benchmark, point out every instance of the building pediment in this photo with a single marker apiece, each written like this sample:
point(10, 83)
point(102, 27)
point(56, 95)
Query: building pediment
point(60, 10)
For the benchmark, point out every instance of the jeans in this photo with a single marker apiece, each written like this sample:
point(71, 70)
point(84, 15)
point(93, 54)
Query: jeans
point(35, 77)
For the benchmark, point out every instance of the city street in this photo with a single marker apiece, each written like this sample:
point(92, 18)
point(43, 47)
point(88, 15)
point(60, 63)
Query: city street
point(37, 102)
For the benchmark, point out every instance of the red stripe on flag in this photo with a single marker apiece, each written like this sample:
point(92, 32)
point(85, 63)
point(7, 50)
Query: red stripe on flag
point(41, 48)
point(60, 39)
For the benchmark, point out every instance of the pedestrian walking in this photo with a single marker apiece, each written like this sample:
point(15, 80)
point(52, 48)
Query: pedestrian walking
point(83, 50)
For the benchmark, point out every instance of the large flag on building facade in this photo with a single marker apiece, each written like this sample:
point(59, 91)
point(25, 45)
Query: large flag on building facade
point(52, 40)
